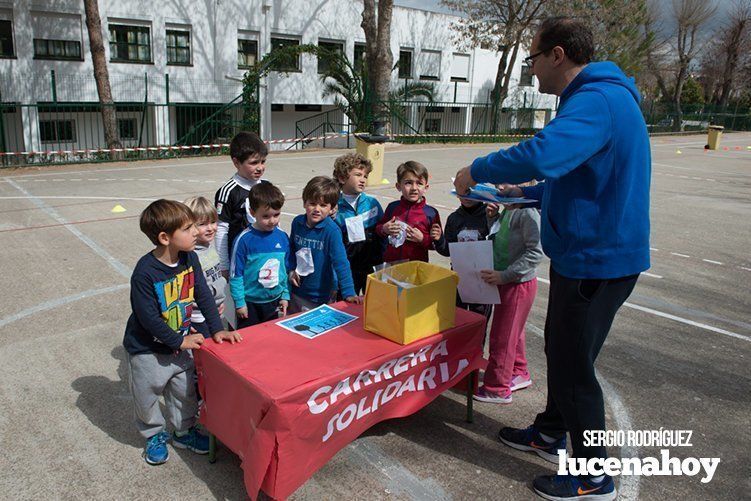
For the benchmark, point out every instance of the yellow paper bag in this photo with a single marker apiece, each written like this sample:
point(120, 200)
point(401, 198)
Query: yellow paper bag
point(409, 314)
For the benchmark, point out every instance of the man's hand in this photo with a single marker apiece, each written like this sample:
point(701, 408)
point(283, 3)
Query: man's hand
point(192, 342)
point(242, 312)
point(294, 278)
point(414, 235)
point(491, 277)
point(491, 210)
point(393, 227)
point(232, 337)
point(436, 232)
point(510, 190)
point(463, 181)
point(354, 299)
point(283, 305)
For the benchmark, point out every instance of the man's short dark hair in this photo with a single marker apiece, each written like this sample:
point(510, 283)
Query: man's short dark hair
point(572, 35)
point(245, 145)
point(265, 195)
point(321, 189)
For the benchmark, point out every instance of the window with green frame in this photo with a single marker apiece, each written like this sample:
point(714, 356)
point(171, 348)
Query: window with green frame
point(57, 49)
point(332, 47)
point(130, 44)
point(57, 131)
point(247, 53)
point(359, 58)
point(285, 63)
point(127, 128)
point(178, 47)
point(6, 39)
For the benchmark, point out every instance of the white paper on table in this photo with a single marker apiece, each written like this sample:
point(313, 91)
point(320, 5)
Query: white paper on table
point(467, 259)
point(305, 264)
point(355, 228)
point(230, 315)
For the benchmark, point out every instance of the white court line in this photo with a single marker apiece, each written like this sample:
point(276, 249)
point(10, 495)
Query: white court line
point(712, 262)
point(628, 487)
point(679, 255)
point(651, 275)
point(114, 263)
point(59, 302)
point(78, 198)
point(744, 268)
point(674, 317)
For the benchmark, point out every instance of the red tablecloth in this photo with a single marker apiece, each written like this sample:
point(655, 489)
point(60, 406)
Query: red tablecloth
point(286, 404)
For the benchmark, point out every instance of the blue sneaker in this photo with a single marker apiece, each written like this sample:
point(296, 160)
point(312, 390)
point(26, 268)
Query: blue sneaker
point(156, 449)
point(562, 487)
point(192, 440)
point(529, 439)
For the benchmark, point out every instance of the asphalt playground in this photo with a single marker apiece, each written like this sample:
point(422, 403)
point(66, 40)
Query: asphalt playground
point(678, 356)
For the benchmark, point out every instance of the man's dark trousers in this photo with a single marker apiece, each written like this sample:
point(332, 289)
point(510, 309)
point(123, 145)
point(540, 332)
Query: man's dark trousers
point(580, 313)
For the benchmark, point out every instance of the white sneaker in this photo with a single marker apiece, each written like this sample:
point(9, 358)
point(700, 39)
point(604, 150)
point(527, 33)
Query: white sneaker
point(520, 382)
point(484, 395)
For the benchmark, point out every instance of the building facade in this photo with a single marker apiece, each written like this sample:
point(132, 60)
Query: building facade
point(175, 64)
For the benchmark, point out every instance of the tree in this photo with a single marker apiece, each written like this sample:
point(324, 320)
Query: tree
point(378, 56)
point(617, 27)
point(503, 25)
point(734, 38)
point(348, 84)
point(690, 18)
point(693, 93)
point(656, 55)
point(101, 74)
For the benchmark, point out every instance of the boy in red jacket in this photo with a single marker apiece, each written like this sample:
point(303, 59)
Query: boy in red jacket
point(410, 224)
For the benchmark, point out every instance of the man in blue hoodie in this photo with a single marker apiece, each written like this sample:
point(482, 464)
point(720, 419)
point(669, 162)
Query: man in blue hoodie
point(594, 161)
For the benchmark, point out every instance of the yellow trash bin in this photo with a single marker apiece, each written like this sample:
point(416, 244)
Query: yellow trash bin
point(374, 153)
point(715, 133)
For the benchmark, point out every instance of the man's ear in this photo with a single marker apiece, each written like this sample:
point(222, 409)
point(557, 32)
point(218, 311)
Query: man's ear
point(558, 55)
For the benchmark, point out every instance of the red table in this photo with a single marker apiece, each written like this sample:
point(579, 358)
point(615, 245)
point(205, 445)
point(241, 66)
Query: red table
point(286, 404)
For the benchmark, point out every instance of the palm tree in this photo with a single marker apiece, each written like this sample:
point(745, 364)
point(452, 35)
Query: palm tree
point(349, 85)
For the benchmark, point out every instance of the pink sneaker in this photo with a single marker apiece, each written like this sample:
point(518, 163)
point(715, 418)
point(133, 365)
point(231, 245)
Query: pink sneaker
point(520, 382)
point(483, 395)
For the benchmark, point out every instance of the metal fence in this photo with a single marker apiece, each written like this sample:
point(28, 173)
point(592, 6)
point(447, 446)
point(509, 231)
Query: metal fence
point(662, 117)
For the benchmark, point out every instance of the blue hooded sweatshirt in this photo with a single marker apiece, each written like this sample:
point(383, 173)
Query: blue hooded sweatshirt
point(595, 161)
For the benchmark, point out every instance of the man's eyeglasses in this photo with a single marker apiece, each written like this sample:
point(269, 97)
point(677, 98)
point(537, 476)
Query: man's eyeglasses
point(530, 60)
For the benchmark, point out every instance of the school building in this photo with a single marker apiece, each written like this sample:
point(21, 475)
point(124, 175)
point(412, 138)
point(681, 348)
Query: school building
point(176, 68)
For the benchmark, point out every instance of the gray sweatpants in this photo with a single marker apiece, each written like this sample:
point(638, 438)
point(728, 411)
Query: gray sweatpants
point(153, 375)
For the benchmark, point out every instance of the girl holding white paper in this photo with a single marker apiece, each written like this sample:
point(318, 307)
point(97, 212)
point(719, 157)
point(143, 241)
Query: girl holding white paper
point(516, 254)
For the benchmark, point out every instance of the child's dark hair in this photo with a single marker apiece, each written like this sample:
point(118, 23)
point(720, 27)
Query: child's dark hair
point(321, 188)
point(245, 145)
point(411, 167)
point(164, 216)
point(344, 164)
point(265, 195)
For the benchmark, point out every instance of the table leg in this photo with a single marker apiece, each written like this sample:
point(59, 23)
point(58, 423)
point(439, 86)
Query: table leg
point(212, 448)
point(470, 401)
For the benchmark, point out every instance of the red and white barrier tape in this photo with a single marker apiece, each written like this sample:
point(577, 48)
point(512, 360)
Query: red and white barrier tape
point(226, 145)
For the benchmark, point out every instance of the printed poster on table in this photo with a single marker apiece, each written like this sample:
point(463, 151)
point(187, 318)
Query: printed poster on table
point(316, 322)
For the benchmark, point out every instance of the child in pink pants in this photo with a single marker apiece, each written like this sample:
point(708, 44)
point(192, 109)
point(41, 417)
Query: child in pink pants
point(516, 254)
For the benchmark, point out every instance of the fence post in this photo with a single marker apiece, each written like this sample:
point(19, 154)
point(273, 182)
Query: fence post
point(54, 86)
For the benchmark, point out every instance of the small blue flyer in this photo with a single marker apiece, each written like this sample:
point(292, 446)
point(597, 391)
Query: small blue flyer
point(316, 322)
